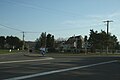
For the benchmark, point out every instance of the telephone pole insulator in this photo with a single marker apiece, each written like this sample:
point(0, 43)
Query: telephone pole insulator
point(107, 21)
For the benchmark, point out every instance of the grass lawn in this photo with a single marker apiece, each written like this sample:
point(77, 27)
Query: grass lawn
point(64, 54)
point(7, 51)
point(82, 54)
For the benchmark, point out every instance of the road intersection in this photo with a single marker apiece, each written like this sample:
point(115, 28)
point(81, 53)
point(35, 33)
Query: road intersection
point(20, 67)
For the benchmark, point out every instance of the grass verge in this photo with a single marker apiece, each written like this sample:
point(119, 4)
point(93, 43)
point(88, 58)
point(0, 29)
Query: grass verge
point(82, 54)
point(7, 51)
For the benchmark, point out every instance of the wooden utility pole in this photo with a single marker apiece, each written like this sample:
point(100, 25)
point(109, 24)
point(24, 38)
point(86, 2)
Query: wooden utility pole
point(107, 21)
point(23, 41)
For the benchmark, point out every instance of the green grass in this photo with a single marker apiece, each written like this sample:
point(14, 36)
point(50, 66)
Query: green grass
point(82, 54)
point(64, 54)
point(7, 51)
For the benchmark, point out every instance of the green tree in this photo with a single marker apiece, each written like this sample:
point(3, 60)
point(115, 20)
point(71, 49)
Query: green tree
point(2, 42)
point(93, 40)
point(85, 39)
point(37, 46)
point(17, 42)
point(101, 40)
point(13, 42)
point(50, 42)
point(43, 40)
point(113, 42)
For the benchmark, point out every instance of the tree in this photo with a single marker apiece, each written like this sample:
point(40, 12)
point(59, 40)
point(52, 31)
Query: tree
point(50, 42)
point(41, 41)
point(79, 42)
point(85, 39)
point(17, 42)
point(45, 41)
point(37, 46)
point(113, 42)
point(93, 40)
point(101, 40)
point(2, 42)
point(13, 42)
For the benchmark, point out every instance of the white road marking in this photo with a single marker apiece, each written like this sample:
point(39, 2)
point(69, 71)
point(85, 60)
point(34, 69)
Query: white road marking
point(6, 62)
point(58, 71)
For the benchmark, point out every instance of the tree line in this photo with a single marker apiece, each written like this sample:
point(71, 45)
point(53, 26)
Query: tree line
point(46, 41)
point(95, 41)
point(10, 42)
point(101, 40)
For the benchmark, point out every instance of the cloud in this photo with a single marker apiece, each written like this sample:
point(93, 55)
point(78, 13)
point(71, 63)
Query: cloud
point(94, 22)
point(95, 16)
point(92, 19)
point(116, 14)
point(70, 22)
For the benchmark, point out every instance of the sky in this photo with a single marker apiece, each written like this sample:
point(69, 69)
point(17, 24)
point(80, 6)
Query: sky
point(61, 18)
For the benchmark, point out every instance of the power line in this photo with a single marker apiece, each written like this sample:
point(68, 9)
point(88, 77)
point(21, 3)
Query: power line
point(46, 9)
point(30, 32)
point(10, 28)
point(17, 29)
point(23, 32)
point(57, 30)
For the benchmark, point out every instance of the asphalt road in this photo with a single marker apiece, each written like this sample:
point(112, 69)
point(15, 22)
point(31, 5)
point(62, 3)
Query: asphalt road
point(20, 67)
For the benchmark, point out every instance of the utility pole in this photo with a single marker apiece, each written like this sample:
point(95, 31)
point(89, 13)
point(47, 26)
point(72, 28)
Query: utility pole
point(76, 40)
point(45, 41)
point(107, 21)
point(23, 41)
point(75, 43)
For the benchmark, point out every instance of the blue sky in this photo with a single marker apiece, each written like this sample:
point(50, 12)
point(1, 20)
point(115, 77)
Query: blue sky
point(62, 18)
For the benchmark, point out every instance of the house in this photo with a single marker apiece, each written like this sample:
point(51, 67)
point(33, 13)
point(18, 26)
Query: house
point(73, 44)
point(76, 41)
